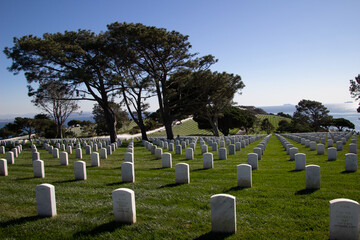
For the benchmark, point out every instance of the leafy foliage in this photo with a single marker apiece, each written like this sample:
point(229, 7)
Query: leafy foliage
point(312, 115)
point(342, 123)
point(100, 118)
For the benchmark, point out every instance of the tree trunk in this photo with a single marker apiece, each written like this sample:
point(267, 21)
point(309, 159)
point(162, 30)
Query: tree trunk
point(214, 124)
point(111, 123)
point(164, 108)
point(168, 128)
point(59, 131)
point(143, 134)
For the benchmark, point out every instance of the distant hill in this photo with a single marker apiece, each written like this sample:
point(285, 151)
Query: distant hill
point(253, 109)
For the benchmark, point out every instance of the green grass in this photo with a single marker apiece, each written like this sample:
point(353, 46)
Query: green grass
point(276, 207)
point(274, 120)
point(186, 128)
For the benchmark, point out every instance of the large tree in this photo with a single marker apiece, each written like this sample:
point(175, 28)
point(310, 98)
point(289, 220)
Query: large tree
point(100, 118)
point(311, 113)
point(232, 117)
point(266, 125)
point(159, 53)
point(342, 123)
point(211, 93)
point(55, 99)
point(73, 58)
point(355, 89)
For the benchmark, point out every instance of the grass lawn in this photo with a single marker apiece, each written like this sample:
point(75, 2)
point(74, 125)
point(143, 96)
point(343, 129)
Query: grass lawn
point(276, 207)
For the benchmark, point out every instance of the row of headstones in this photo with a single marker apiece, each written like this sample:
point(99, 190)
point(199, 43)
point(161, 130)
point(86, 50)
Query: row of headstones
point(351, 161)
point(234, 144)
point(39, 168)
point(321, 137)
point(320, 147)
point(343, 217)
point(182, 170)
point(79, 166)
point(336, 136)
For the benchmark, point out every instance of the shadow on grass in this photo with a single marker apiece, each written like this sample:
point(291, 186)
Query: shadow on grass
point(115, 183)
point(347, 172)
point(106, 227)
point(171, 185)
point(26, 178)
point(200, 169)
point(21, 220)
point(155, 168)
point(237, 188)
point(305, 191)
point(67, 181)
point(213, 235)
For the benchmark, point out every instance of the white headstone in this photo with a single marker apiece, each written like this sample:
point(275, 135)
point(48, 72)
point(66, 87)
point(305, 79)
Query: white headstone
point(124, 205)
point(293, 151)
point(222, 153)
point(312, 146)
point(10, 158)
point(38, 169)
point(352, 148)
point(78, 153)
point(312, 179)
point(35, 156)
point(55, 153)
point(244, 175)
point(344, 219)
point(204, 149)
point(127, 172)
point(166, 159)
point(158, 153)
point(232, 149)
point(223, 213)
point(64, 158)
point(320, 149)
point(95, 159)
point(3, 167)
point(182, 173)
point(88, 150)
point(252, 159)
point(69, 149)
point(178, 149)
point(332, 153)
point(80, 170)
point(258, 151)
point(45, 200)
point(339, 145)
point(300, 161)
point(330, 143)
point(189, 154)
point(208, 161)
point(214, 146)
point(103, 153)
point(16, 152)
point(128, 157)
point(351, 162)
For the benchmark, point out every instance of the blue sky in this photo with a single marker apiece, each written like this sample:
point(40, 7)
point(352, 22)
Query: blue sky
point(284, 51)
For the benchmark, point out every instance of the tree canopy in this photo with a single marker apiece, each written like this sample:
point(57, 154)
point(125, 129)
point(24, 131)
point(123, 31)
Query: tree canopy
point(311, 113)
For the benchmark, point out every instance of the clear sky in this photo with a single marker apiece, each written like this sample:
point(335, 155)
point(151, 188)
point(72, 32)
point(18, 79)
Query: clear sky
point(284, 50)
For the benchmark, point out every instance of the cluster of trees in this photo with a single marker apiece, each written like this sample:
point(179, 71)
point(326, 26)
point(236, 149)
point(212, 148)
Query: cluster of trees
point(131, 61)
point(40, 125)
point(312, 116)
